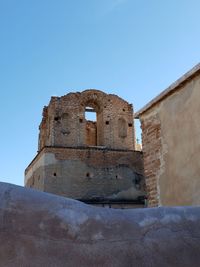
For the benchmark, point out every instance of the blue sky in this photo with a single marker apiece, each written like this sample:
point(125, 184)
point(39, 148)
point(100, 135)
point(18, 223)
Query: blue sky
point(133, 48)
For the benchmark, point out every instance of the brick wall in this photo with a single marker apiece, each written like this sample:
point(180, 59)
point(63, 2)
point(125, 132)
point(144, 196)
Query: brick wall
point(151, 144)
point(64, 123)
point(83, 159)
point(91, 133)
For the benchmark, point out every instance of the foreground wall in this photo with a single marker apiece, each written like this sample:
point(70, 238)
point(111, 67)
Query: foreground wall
point(40, 229)
point(171, 145)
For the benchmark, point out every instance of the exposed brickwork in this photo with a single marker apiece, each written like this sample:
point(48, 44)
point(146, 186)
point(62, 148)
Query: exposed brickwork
point(88, 160)
point(151, 143)
point(94, 156)
point(64, 122)
point(91, 133)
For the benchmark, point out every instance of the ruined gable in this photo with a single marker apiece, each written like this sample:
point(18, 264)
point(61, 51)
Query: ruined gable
point(64, 122)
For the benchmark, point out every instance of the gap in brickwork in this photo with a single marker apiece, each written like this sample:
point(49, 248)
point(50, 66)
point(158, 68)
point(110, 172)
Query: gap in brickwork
point(138, 131)
point(91, 126)
point(90, 114)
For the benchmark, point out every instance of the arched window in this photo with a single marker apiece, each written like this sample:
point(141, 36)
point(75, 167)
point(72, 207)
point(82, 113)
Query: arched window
point(90, 114)
point(91, 126)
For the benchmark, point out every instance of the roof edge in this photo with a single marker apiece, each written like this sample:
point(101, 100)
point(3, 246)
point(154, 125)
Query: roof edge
point(173, 87)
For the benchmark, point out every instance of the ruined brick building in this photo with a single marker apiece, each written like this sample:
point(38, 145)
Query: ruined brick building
point(92, 161)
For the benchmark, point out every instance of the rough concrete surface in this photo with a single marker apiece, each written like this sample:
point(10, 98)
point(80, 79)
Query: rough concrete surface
point(40, 229)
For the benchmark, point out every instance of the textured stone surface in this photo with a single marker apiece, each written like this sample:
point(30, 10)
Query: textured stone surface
point(40, 229)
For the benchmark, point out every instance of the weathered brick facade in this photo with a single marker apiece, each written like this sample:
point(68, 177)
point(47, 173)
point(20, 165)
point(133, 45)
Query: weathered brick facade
point(151, 143)
point(64, 122)
point(93, 161)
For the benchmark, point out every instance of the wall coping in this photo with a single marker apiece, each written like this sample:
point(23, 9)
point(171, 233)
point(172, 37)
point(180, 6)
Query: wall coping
point(178, 84)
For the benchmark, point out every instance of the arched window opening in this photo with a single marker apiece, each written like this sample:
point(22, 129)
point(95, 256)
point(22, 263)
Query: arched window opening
point(91, 126)
point(90, 114)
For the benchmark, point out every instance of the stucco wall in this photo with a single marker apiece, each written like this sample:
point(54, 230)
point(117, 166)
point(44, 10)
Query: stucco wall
point(176, 177)
point(88, 173)
point(39, 229)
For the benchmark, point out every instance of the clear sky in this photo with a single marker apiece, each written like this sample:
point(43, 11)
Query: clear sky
point(132, 48)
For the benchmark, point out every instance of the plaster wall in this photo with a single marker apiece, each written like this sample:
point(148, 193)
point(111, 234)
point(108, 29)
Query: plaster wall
point(88, 173)
point(176, 180)
point(39, 229)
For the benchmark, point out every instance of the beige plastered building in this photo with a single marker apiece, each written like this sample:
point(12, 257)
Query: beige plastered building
point(171, 143)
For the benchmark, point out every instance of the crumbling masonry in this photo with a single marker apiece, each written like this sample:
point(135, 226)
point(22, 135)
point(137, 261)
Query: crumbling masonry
point(93, 161)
